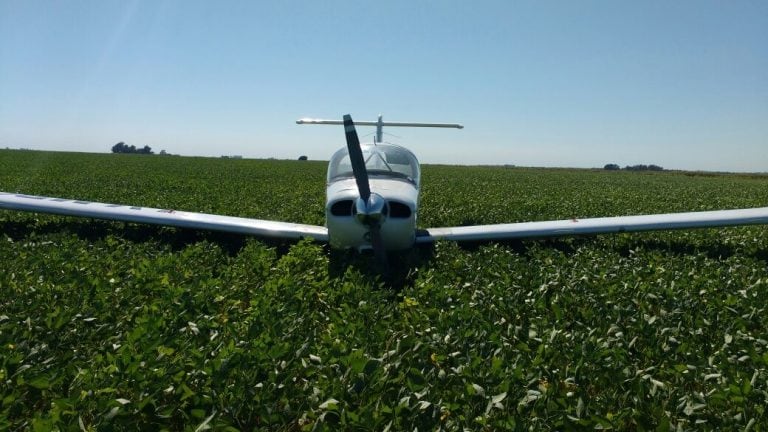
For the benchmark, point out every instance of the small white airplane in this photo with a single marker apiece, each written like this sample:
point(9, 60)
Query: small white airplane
point(372, 199)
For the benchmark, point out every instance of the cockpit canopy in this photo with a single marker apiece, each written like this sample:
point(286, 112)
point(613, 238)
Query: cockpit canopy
point(381, 161)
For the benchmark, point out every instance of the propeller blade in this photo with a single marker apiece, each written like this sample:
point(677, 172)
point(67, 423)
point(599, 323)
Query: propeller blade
point(356, 157)
point(378, 248)
point(364, 187)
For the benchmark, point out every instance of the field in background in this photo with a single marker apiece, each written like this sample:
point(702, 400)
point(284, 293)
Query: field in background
point(110, 325)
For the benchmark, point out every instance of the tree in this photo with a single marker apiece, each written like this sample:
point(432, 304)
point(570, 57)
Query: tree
point(302, 157)
point(121, 147)
point(611, 167)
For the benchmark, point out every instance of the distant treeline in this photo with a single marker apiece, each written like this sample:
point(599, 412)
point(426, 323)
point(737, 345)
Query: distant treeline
point(121, 147)
point(640, 167)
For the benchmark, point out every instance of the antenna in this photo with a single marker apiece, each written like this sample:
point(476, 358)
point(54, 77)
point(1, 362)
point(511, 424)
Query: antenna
point(380, 123)
point(379, 129)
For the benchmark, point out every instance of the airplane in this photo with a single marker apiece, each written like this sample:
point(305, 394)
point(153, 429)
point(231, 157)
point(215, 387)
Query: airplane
point(372, 199)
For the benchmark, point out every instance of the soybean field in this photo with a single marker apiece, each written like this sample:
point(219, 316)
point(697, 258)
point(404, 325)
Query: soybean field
point(118, 326)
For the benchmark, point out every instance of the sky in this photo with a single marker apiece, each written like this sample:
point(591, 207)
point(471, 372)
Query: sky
point(680, 84)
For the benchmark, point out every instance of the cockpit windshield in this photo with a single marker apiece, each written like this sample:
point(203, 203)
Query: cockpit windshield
point(381, 161)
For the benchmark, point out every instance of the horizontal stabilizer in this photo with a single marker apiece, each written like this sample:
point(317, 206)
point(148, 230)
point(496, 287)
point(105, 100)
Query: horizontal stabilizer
point(379, 123)
point(605, 225)
point(181, 219)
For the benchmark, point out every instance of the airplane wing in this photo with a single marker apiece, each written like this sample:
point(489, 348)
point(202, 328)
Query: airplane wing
point(603, 225)
point(67, 207)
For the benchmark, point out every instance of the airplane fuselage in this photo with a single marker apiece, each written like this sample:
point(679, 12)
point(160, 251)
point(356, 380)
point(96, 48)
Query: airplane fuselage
point(394, 185)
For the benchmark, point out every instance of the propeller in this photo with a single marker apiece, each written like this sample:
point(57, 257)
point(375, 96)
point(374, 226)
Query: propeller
point(370, 206)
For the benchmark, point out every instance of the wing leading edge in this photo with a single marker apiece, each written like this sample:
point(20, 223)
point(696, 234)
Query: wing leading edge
point(604, 225)
point(287, 230)
point(181, 219)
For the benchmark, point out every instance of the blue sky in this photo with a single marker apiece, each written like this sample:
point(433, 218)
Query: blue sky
point(680, 84)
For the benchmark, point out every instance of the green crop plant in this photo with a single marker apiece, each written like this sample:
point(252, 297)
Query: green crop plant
point(115, 326)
